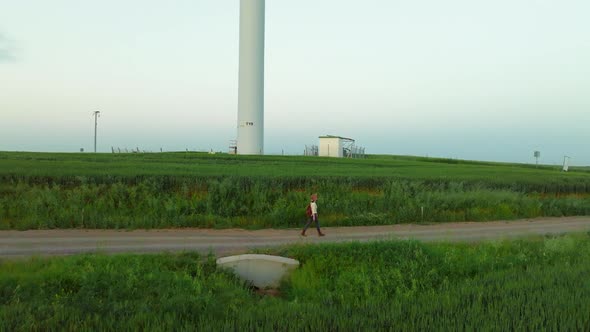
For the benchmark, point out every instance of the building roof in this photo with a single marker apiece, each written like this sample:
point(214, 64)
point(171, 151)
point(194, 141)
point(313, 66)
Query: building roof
point(340, 137)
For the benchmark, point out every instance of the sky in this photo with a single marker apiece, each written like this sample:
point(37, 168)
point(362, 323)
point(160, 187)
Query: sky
point(479, 80)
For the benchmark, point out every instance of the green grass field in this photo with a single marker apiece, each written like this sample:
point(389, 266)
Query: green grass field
point(158, 190)
point(535, 284)
point(14, 165)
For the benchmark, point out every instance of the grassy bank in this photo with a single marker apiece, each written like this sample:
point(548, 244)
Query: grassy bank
point(40, 190)
point(235, 202)
point(538, 284)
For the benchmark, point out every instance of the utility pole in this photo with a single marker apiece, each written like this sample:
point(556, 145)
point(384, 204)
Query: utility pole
point(96, 115)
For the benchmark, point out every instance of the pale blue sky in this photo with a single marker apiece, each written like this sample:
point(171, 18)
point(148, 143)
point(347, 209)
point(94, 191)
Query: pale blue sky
point(486, 80)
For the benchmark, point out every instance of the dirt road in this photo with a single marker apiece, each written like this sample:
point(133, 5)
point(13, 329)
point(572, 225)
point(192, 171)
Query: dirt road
point(15, 244)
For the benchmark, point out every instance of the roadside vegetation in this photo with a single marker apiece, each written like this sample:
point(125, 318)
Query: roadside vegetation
point(44, 191)
point(534, 284)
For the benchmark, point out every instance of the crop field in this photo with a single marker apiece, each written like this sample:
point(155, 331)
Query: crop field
point(68, 166)
point(533, 284)
point(162, 190)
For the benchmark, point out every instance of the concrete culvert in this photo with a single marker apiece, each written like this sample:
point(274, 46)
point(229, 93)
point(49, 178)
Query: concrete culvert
point(262, 271)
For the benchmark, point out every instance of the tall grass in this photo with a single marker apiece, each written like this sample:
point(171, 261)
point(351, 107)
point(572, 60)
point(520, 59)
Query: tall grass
point(538, 284)
point(258, 203)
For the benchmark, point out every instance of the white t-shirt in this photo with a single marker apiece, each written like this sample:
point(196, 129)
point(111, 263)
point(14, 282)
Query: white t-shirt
point(314, 208)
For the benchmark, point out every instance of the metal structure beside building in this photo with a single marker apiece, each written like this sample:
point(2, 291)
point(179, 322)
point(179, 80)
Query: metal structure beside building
point(311, 150)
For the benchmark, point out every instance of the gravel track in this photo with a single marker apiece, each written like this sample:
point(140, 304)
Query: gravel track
point(22, 244)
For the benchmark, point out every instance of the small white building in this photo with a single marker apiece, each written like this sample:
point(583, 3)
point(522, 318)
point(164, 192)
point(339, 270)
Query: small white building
point(334, 146)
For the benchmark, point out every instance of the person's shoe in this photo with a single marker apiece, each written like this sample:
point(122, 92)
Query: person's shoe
point(321, 234)
point(303, 233)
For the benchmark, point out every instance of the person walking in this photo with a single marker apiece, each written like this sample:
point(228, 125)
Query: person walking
point(313, 216)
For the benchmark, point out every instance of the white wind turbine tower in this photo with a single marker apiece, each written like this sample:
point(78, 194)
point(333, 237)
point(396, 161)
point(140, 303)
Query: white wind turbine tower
point(251, 78)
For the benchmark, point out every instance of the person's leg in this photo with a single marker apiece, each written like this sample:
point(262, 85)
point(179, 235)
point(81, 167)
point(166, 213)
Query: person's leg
point(306, 226)
point(317, 226)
